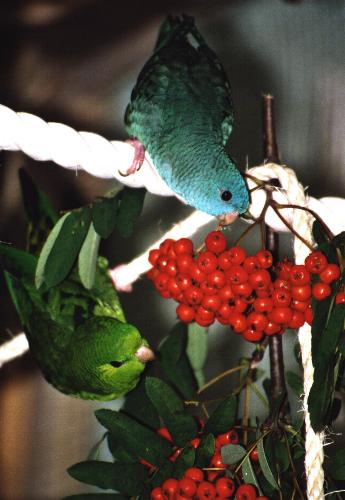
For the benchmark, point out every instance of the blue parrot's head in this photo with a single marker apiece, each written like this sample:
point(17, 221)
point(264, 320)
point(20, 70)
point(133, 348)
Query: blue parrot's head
point(217, 190)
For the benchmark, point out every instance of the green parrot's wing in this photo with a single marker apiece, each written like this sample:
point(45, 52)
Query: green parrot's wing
point(184, 81)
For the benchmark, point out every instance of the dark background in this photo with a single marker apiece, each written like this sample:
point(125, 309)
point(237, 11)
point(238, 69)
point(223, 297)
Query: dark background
point(76, 61)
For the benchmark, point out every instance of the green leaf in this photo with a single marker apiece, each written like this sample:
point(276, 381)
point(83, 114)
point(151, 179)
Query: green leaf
point(183, 427)
point(233, 453)
point(265, 467)
point(36, 203)
point(119, 453)
point(197, 347)
point(205, 451)
point(282, 456)
point(66, 247)
point(295, 382)
point(131, 204)
point(184, 461)
point(223, 417)
point(175, 362)
point(104, 214)
point(125, 478)
point(337, 465)
point(320, 397)
point(134, 437)
point(328, 339)
point(16, 261)
point(87, 260)
point(139, 406)
point(248, 473)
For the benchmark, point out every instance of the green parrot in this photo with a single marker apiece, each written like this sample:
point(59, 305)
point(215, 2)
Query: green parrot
point(181, 112)
point(79, 337)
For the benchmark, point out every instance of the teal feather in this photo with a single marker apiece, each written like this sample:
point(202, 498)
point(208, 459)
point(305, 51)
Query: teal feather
point(181, 110)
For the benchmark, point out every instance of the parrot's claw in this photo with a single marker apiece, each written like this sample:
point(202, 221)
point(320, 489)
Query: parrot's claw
point(139, 157)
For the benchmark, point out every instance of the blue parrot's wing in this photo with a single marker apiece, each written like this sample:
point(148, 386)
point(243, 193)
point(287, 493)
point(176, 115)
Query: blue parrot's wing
point(183, 82)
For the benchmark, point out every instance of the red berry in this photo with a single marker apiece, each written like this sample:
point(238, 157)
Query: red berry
point(169, 487)
point(238, 322)
point(217, 461)
point(254, 455)
point(237, 255)
point(173, 288)
point(244, 289)
point(204, 317)
point(272, 328)
point(183, 281)
point(196, 274)
point(225, 487)
point(282, 269)
point(216, 279)
point(183, 262)
point(299, 305)
point(164, 432)
point(165, 246)
point(208, 289)
point(257, 321)
point(162, 262)
point(260, 279)
point(171, 268)
point(282, 283)
point(261, 497)
point(330, 273)
point(240, 305)
point(281, 297)
point(340, 298)
point(263, 304)
point(264, 258)
point(185, 313)
point(193, 295)
point(245, 492)
point(225, 294)
point(215, 242)
point(297, 320)
point(321, 290)
point(187, 487)
point(195, 442)
point(154, 256)
point(206, 491)
point(224, 260)
point(157, 493)
point(299, 275)
point(281, 315)
point(161, 281)
point(183, 245)
point(207, 262)
point(252, 335)
point(195, 473)
point(224, 312)
point(175, 454)
point(230, 437)
point(251, 264)
point(152, 273)
point(301, 292)
point(316, 262)
point(211, 302)
point(237, 275)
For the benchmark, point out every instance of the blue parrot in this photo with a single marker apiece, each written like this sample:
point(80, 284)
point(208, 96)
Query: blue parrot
point(181, 113)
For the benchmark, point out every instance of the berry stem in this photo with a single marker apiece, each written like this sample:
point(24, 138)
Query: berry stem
point(277, 371)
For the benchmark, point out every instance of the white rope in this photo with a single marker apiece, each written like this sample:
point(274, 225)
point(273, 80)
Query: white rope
point(13, 348)
point(101, 158)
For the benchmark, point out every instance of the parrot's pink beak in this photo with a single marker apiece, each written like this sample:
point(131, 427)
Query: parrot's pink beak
point(228, 218)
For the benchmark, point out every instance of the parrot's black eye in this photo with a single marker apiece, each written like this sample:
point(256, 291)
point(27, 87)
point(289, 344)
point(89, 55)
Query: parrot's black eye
point(226, 195)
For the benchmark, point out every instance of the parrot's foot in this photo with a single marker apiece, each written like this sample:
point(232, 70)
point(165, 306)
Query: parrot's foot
point(139, 157)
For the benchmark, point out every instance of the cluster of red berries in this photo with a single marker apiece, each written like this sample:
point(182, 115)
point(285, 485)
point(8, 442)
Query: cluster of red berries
point(208, 483)
point(247, 292)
